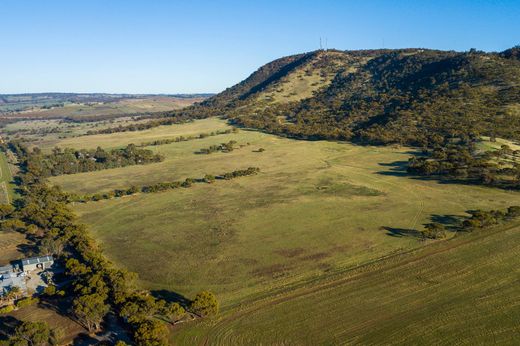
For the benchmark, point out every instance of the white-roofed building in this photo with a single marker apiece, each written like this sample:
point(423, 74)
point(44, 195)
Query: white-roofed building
point(37, 263)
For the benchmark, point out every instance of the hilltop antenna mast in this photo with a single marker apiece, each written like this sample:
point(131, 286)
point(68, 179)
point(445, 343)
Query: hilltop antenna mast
point(321, 48)
point(326, 43)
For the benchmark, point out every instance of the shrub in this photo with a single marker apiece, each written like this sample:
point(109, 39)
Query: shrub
point(50, 290)
point(205, 304)
point(513, 211)
point(26, 302)
point(434, 231)
point(6, 309)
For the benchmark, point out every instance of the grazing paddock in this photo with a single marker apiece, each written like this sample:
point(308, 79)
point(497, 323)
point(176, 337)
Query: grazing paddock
point(458, 292)
point(48, 132)
point(6, 181)
point(11, 245)
point(316, 208)
point(121, 139)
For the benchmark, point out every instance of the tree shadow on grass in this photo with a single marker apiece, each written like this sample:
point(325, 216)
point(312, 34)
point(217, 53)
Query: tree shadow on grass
point(395, 169)
point(402, 232)
point(7, 326)
point(172, 297)
point(61, 306)
point(399, 169)
point(84, 339)
point(27, 249)
point(451, 222)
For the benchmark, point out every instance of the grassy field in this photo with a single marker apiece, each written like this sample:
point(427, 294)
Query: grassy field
point(6, 181)
point(46, 133)
point(120, 139)
point(316, 208)
point(458, 292)
point(11, 244)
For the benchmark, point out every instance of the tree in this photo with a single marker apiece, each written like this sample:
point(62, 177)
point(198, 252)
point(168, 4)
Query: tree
point(90, 310)
point(76, 268)
point(187, 183)
point(513, 211)
point(173, 311)
point(204, 304)
point(208, 178)
point(31, 333)
point(120, 343)
point(15, 225)
point(5, 210)
point(139, 308)
point(50, 245)
point(14, 293)
point(151, 333)
point(434, 231)
point(50, 290)
point(471, 224)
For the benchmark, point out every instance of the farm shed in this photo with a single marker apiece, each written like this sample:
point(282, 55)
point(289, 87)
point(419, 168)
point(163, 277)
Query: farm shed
point(37, 263)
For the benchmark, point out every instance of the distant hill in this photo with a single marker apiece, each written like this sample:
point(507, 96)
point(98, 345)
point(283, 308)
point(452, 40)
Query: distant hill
point(90, 107)
point(409, 96)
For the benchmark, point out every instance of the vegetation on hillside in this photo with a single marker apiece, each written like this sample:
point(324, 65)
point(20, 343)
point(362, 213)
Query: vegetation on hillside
point(412, 96)
point(424, 98)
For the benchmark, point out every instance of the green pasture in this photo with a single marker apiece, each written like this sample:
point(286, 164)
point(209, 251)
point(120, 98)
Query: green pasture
point(7, 185)
point(121, 139)
point(463, 291)
point(316, 208)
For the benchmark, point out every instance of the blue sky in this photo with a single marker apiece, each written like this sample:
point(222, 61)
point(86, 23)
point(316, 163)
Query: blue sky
point(206, 46)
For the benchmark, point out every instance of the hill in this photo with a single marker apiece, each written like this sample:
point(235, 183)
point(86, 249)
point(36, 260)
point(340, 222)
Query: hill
point(410, 96)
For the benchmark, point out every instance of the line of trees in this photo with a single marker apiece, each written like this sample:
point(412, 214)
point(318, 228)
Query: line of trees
point(95, 286)
point(163, 186)
point(187, 138)
point(223, 147)
point(71, 161)
point(163, 118)
point(479, 219)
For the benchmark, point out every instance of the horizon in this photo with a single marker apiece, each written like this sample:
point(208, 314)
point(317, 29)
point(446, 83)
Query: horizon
point(177, 48)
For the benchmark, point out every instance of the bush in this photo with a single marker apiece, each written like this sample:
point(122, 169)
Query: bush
point(434, 231)
point(6, 309)
point(26, 302)
point(50, 290)
point(205, 304)
point(208, 178)
point(513, 211)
